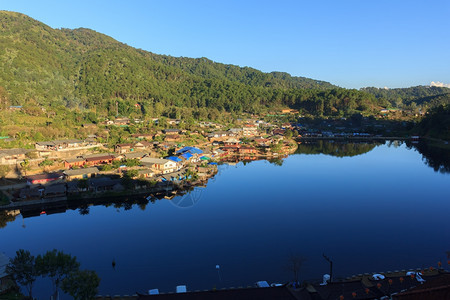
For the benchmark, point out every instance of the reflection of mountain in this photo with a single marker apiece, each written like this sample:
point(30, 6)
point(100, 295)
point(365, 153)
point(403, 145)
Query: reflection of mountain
point(434, 156)
point(339, 149)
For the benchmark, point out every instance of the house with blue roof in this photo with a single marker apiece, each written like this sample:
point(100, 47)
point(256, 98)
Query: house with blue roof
point(174, 158)
point(189, 154)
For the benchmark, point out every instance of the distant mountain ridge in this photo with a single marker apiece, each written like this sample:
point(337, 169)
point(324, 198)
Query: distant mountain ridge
point(420, 95)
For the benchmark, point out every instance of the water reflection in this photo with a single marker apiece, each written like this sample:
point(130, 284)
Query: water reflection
point(339, 149)
point(436, 156)
point(251, 217)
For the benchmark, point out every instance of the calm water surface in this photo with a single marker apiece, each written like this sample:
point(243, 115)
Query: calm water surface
point(379, 211)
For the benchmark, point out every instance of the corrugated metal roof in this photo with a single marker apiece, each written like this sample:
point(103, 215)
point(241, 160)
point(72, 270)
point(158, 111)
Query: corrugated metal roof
point(192, 150)
point(174, 158)
point(81, 171)
point(186, 155)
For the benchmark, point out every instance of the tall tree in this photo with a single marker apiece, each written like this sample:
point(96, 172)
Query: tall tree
point(25, 165)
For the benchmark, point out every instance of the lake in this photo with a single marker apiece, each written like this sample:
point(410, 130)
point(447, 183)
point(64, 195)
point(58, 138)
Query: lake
point(368, 207)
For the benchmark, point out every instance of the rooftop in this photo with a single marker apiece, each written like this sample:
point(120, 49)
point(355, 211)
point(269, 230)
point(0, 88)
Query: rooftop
point(81, 171)
point(279, 293)
point(152, 160)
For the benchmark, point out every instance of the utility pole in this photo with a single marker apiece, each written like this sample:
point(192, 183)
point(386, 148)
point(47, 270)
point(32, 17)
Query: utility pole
point(331, 266)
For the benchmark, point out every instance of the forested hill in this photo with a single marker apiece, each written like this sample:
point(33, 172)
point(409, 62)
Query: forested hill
point(429, 96)
point(82, 69)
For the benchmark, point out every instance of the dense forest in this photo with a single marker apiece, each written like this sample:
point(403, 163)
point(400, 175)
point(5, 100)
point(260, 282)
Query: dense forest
point(417, 96)
point(436, 123)
point(82, 70)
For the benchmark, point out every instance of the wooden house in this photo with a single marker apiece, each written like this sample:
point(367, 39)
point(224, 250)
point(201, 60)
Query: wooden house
point(74, 162)
point(160, 165)
point(13, 156)
point(146, 173)
point(123, 148)
point(172, 138)
point(99, 159)
point(82, 173)
point(142, 145)
point(44, 178)
point(55, 190)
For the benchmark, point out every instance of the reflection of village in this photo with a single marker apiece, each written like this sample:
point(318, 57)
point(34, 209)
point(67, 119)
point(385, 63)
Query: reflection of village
point(151, 163)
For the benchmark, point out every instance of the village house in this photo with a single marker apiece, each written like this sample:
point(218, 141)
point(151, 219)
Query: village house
point(176, 159)
point(99, 159)
point(289, 111)
point(15, 107)
point(175, 177)
point(160, 165)
point(30, 193)
point(235, 131)
point(103, 184)
point(250, 130)
point(13, 156)
point(44, 178)
point(59, 145)
point(74, 162)
point(82, 173)
point(74, 188)
point(134, 155)
point(164, 146)
point(45, 146)
point(219, 135)
point(72, 143)
point(192, 154)
point(55, 190)
point(123, 148)
point(173, 121)
point(172, 138)
point(91, 140)
point(142, 145)
point(146, 173)
point(121, 121)
point(171, 131)
point(231, 141)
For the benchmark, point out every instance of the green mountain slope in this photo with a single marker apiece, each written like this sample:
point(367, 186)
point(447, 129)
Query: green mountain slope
point(83, 69)
point(50, 65)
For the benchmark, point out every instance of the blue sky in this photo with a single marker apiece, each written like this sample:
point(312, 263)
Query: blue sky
point(352, 44)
